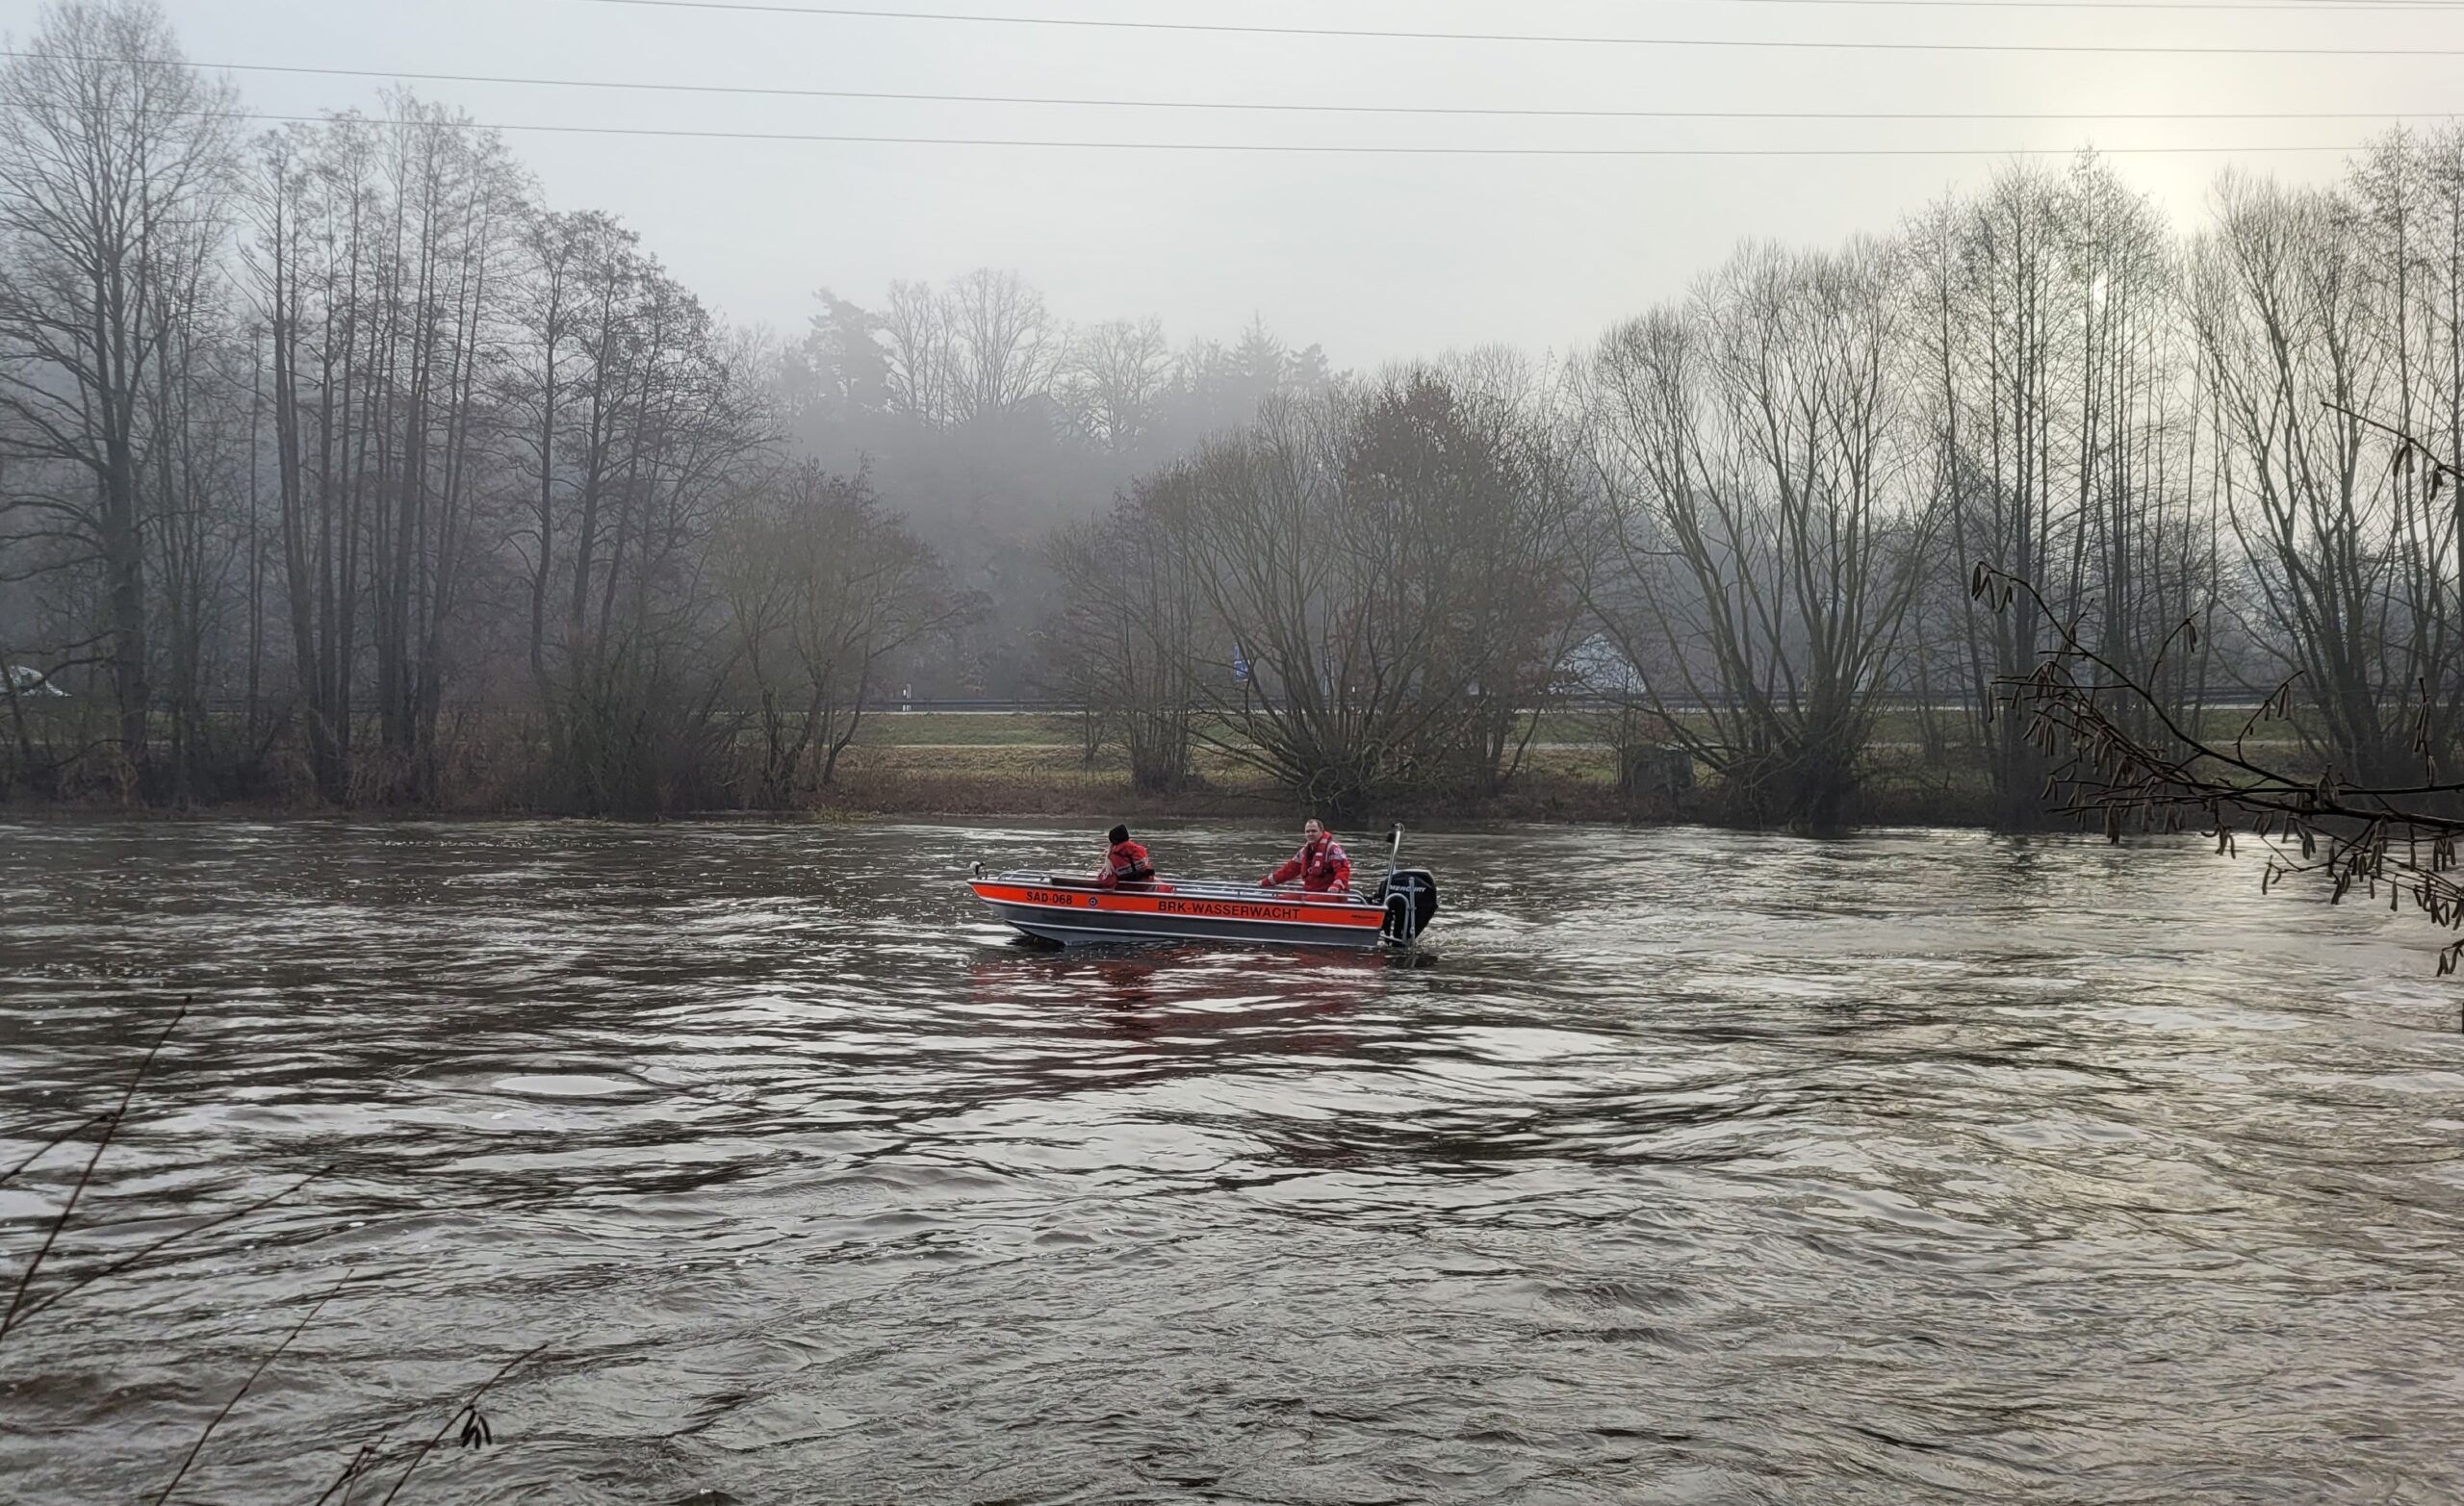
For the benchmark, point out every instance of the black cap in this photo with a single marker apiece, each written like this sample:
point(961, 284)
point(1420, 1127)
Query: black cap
point(1118, 835)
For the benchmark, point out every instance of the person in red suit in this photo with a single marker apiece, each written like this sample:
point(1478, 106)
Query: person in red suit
point(1321, 865)
point(1126, 862)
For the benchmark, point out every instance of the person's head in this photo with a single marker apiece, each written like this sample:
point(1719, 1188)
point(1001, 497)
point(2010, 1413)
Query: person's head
point(1118, 835)
point(1313, 829)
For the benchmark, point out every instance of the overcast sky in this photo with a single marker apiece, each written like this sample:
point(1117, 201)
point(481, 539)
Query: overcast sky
point(1376, 257)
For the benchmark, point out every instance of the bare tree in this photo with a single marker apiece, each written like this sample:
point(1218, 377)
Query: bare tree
point(1005, 346)
point(1400, 566)
point(198, 439)
point(823, 588)
point(539, 380)
point(2086, 713)
point(2060, 431)
point(922, 360)
point(313, 210)
point(455, 204)
point(116, 160)
point(1128, 628)
point(381, 260)
point(2354, 581)
point(672, 431)
point(1113, 381)
point(1750, 450)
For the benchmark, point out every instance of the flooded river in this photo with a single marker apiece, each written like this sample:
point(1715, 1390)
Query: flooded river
point(1686, 1166)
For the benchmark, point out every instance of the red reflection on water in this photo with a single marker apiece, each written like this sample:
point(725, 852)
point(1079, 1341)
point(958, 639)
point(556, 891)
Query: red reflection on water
point(1202, 992)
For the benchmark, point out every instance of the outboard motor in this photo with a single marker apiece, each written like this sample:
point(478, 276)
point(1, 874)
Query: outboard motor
point(1409, 896)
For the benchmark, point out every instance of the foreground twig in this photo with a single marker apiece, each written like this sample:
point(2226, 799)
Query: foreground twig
point(2408, 449)
point(18, 1311)
point(2405, 836)
point(297, 1330)
point(52, 1144)
point(361, 1463)
point(168, 1240)
point(474, 1426)
point(24, 1304)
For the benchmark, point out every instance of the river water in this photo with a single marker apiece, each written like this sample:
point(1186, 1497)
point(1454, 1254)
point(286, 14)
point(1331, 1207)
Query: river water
point(1685, 1166)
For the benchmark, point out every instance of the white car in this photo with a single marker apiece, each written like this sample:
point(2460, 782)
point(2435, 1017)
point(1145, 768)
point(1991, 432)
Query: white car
point(25, 680)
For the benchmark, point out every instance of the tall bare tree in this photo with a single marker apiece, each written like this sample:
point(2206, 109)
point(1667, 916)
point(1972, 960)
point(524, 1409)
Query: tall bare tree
point(2353, 581)
point(1129, 628)
point(922, 351)
point(116, 165)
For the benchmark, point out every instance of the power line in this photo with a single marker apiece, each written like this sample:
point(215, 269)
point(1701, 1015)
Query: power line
point(2295, 7)
point(1762, 44)
point(1260, 106)
point(1309, 148)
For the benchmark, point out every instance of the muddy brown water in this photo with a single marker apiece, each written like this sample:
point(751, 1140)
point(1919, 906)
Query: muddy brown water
point(1685, 1166)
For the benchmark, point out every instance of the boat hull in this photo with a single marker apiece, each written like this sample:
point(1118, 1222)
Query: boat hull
point(1079, 914)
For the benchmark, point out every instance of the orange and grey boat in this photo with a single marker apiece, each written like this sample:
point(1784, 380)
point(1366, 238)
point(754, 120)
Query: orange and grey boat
point(1074, 911)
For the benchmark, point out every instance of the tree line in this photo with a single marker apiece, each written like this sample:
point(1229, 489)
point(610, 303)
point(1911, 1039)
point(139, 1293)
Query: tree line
point(335, 464)
point(1763, 508)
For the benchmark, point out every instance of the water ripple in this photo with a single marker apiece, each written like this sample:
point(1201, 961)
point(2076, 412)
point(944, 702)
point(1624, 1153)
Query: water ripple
point(1688, 1167)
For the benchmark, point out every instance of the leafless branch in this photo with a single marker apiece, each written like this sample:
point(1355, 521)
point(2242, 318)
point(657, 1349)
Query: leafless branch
point(474, 1425)
point(52, 1144)
point(128, 1261)
point(296, 1329)
point(18, 1310)
point(2357, 837)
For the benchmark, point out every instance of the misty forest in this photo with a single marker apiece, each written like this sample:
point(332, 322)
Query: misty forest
point(338, 467)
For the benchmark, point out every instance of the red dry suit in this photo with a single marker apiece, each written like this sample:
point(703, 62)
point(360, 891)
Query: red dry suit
point(1125, 864)
point(1321, 866)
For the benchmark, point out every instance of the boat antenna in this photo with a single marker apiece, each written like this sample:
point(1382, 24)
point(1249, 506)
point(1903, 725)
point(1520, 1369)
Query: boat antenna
point(1395, 853)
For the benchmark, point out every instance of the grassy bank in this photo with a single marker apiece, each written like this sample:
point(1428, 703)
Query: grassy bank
point(988, 764)
point(968, 764)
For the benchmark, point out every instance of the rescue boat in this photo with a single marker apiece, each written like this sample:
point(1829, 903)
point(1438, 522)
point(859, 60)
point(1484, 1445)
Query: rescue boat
point(1074, 911)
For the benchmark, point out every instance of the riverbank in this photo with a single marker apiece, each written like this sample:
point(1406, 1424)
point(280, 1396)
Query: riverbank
point(980, 764)
point(1576, 784)
point(1569, 782)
